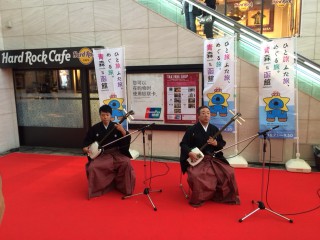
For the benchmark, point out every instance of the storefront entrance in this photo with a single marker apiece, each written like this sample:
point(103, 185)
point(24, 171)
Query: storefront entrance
point(272, 18)
point(53, 95)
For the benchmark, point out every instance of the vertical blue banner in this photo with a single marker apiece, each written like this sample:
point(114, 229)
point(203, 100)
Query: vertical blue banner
point(277, 88)
point(219, 80)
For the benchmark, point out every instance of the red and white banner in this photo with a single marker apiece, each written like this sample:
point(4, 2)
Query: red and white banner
point(219, 80)
point(277, 88)
point(111, 79)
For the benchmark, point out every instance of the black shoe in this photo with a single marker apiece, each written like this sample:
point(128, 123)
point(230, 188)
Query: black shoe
point(196, 205)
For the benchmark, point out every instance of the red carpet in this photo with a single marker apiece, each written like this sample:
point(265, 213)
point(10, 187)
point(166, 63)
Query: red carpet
point(46, 198)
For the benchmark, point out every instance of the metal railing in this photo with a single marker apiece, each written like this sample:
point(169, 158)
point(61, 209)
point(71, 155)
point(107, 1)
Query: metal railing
point(248, 41)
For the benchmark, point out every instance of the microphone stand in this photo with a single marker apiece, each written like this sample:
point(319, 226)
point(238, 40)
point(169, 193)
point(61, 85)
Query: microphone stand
point(261, 205)
point(146, 190)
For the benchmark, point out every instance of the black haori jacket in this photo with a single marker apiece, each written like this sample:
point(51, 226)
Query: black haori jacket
point(97, 132)
point(196, 136)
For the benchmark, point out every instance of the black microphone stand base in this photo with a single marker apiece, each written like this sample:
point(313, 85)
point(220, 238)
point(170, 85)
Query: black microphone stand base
point(261, 206)
point(146, 192)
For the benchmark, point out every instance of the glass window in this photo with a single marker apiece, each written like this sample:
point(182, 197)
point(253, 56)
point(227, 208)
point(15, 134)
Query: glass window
point(64, 80)
point(94, 97)
point(49, 98)
point(272, 18)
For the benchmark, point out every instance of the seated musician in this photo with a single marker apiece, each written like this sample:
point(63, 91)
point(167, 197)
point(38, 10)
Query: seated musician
point(212, 178)
point(112, 168)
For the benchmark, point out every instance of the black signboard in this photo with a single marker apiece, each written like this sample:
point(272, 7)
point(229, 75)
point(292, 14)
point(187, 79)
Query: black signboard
point(75, 57)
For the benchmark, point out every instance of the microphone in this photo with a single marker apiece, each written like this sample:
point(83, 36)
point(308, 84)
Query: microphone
point(152, 124)
point(147, 126)
point(265, 131)
point(130, 117)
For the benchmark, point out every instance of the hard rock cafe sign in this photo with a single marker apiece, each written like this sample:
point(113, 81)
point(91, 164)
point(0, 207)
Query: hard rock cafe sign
point(47, 57)
point(243, 5)
point(281, 3)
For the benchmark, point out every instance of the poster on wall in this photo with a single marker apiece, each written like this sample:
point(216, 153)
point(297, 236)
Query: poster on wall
point(255, 18)
point(277, 88)
point(181, 97)
point(145, 96)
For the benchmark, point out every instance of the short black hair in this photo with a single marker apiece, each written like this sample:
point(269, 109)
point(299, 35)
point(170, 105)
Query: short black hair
point(200, 108)
point(106, 109)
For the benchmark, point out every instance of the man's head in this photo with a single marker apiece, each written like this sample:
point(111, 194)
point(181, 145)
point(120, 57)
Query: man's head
point(105, 112)
point(203, 113)
point(105, 109)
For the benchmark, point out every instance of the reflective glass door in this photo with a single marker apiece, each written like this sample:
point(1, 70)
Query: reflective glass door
point(272, 18)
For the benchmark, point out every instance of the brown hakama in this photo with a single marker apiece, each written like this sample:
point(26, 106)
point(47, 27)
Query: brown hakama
point(212, 180)
point(108, 171)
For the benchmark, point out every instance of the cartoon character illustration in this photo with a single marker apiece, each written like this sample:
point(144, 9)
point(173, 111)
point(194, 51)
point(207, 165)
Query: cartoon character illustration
point(276, 107)
point(116, 105)
point(218, 103)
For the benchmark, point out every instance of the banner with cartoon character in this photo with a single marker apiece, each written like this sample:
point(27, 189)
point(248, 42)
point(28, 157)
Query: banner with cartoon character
point(219, 79)
point(111, 80)
point(277, 88)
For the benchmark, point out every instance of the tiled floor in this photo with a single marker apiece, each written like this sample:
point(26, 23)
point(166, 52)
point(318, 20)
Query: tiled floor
point(49, 150)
